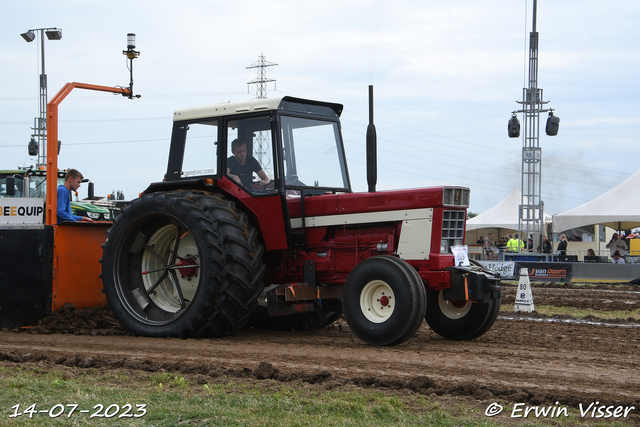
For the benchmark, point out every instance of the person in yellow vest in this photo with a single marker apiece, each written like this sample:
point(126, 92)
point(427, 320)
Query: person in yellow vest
point(515, 244)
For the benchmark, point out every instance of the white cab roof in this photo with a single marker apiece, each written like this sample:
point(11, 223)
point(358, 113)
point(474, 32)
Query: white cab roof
point(226, 109)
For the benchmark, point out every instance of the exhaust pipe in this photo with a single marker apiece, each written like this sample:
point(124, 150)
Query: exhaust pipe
point(372, 155)
point(91, 192)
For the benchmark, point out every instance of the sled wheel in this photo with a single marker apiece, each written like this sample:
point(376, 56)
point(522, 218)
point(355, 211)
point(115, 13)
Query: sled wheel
point(183, 264)
point(384, 300)
point(460, 320)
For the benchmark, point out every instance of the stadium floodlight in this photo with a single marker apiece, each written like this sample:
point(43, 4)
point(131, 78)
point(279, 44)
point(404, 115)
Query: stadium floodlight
point(37, 144)
point(29, 36)
point(53, 33)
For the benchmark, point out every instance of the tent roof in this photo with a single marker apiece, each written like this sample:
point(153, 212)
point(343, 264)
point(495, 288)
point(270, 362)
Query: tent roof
point(505, 214)
point(618, 208)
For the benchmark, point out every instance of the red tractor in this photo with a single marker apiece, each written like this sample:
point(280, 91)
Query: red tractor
point(203, 253)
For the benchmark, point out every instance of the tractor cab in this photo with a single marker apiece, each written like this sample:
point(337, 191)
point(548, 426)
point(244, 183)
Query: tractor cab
point(295, 143)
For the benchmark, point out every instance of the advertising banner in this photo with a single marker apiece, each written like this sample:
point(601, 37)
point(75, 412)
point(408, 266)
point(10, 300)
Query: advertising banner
point(547, 271)
point(21, 210)
point(507, 269)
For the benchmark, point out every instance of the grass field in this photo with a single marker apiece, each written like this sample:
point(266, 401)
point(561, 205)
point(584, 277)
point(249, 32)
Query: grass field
point(172, 400)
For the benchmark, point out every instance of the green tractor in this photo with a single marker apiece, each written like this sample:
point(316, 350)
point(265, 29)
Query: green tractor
point(16, 182)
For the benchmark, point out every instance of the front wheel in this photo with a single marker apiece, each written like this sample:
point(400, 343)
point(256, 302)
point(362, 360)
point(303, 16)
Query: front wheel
point(384, 300)
point(460, 320)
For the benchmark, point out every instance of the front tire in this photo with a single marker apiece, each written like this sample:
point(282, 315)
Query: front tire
point(384, 300)
point(460, 320)
point(184, 264)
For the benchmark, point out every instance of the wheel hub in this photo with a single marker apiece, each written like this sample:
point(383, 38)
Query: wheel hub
point(187, 268)
point(377, 301)
point(453, 309)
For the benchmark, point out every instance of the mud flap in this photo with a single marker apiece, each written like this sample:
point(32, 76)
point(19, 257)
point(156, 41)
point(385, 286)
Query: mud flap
point(473, 284)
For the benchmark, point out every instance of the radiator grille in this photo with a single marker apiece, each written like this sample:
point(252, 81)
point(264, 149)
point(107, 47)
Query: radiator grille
point(452, 229)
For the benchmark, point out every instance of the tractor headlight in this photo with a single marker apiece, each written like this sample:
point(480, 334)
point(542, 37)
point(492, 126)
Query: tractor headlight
point(93, 215)
point(444, 246)
point(107, 216)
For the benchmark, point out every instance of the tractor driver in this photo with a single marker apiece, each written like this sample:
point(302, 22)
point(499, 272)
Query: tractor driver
point(72, 181)
point(240, 168)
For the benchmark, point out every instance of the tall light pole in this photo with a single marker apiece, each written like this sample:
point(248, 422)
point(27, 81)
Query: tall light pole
point(38, 143)
point(531, 216)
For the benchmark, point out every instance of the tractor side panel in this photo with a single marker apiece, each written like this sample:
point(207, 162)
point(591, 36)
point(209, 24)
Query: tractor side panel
point(76, 261)
point(266, 212)
point(25, 275)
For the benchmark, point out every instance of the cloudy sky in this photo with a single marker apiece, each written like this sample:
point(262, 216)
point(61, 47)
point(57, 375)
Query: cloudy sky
point(446, 77)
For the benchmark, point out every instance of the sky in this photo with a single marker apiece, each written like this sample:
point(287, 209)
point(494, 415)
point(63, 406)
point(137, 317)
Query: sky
point(446, 77)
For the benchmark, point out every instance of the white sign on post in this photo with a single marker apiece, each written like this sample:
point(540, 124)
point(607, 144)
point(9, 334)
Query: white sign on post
point(524, 298)
point(462, 255)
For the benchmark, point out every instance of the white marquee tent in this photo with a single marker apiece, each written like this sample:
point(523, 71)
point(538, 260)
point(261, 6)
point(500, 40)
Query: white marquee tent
point(503, 216)
point(618, 208)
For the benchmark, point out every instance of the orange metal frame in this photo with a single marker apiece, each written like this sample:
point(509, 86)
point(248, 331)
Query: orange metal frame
point(52, 141)
point(77, 248)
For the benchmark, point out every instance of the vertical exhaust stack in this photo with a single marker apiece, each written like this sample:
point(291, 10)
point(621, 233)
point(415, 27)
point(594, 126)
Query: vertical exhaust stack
point(372, 155)
point(91, 191)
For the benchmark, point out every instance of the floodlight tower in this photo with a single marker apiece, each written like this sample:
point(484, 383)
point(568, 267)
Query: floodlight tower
point(261, 150)
point(531, 216)
point(38, 144)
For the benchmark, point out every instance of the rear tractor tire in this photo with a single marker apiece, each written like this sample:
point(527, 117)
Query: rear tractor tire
point(182, 264)
point(460, 320)
point(384, 300)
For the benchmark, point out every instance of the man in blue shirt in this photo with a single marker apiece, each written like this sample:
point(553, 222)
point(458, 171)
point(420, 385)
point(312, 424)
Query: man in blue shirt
point(72, 181)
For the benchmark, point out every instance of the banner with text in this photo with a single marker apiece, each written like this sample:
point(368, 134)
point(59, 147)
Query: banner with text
point(507, 269)
point(19, 210)
point(548, 271)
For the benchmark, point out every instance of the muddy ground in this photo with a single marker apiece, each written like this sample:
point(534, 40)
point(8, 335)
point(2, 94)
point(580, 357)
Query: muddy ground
point(530, 358)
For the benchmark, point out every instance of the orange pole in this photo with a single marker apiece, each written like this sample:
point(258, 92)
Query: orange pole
point(52, 142)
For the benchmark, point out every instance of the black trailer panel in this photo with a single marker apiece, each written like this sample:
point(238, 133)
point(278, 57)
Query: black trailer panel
point(26, 263)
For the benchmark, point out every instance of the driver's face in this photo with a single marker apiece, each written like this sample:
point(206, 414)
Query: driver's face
point(241, 153)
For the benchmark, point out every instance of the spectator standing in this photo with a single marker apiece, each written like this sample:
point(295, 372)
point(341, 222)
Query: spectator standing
point(486, 249)
point(562, 246)
point(529, 244)
point(515, 244)
point(545, 248)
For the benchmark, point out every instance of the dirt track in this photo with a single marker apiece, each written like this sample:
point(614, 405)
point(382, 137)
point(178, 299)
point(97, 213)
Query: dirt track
point(521, 359)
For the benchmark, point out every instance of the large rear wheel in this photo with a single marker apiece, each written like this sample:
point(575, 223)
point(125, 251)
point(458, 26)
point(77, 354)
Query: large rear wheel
point(384, 300)
point(182, 263)
point(460, 320)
